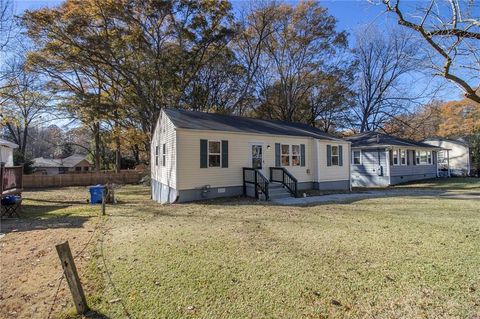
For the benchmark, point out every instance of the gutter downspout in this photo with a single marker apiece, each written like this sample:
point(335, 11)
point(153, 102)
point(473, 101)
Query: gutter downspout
point(387, 165)
point(350, 165)
point(317, 161)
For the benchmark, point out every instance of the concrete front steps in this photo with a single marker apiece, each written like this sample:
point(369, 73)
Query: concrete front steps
point(278, 191)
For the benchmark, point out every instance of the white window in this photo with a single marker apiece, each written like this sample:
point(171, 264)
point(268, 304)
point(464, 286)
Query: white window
point(423, 157)
point(285, 155)
point(164, 154)
point(296, 155)
point(156, 155)
point(403, 157)
point(214, 154)
point(395, 157)
point(335, 157)
point(357, 157)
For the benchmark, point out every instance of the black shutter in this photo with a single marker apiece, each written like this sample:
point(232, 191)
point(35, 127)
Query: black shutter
point(302, 154)
point(203, 153)
point(340, 155)
point(224, 153)
point(329, 155)
point(277, 154)
point(390, 155)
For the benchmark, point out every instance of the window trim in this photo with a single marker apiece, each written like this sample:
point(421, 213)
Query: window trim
point(219, 153)
point(287, 155)
point(156, 155)
point(164, 154)
point(299, 155)
point(337, 156)
point(428, 158)
point(403, 156)
point(359, 157)
point(396, 156)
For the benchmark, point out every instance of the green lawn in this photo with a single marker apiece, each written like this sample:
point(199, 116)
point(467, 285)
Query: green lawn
point(446, 183)
point(399, 257)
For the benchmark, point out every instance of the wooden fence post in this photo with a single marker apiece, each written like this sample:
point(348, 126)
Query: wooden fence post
point(103, 201)
point(71, 275)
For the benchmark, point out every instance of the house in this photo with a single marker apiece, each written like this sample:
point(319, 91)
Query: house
point(454, 159)
point(75, 163)
point(6, 152)
point(381, 160)
point(196, 155)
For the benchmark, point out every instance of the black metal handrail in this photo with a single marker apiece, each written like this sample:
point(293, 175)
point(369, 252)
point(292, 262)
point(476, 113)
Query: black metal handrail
point(281, 175)
point(255, 177)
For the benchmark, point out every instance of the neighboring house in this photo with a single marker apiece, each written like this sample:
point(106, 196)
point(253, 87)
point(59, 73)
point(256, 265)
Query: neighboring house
point(454, 159)
point(196, 155)
point(6, 152)
point(48, 166)
point(11, 177)
point(381, 160)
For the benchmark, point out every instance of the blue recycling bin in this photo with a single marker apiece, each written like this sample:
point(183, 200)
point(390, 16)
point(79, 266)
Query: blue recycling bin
point(96, 194)
point(11, 200)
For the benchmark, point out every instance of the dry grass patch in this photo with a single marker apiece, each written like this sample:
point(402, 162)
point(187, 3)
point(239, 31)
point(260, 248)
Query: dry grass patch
point(387, 257)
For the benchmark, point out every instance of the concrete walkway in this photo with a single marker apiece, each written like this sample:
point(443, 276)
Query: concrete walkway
point(442, 193)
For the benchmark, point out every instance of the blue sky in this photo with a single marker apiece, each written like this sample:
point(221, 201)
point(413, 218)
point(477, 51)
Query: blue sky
point(350, 16)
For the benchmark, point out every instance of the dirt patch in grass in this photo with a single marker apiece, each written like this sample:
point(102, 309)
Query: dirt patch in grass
point(30, 269)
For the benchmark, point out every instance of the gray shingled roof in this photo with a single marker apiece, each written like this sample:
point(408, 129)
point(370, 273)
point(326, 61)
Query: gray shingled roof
point(219, 122)
point(376, 139)
point(7, 143)
point(70, 161)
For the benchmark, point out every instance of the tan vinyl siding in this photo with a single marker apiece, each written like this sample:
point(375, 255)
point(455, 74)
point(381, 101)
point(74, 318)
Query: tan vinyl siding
point(191, 176)
point(165, 132)
point(333, 173)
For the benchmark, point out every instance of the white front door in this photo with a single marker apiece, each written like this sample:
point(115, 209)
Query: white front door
point(257, 156)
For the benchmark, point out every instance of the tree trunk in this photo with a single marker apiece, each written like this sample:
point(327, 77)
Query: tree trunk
point(118, 155)
point(24, 143)
point(96, 133)
point(136, 154)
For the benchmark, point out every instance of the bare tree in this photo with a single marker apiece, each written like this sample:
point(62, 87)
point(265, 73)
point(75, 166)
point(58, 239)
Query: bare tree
point(300, 42)
point(255, 27)
point(330, 99)
point(383, 62)
point(451, 30)
point(8, 61)
point(25, 108)
point(6, 23)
